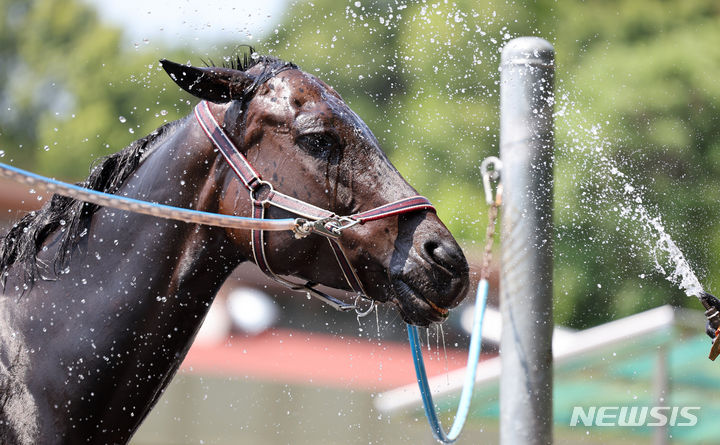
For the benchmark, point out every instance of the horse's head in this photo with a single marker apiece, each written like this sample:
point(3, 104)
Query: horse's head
point(300, 135)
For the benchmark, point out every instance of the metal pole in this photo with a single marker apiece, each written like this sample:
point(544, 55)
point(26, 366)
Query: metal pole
point(661, 391)
point(526, 151)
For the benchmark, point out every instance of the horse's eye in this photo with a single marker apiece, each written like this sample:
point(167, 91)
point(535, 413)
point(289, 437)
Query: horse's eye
point(317, 143)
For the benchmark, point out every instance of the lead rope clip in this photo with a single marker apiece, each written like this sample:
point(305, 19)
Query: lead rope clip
point(490, 171)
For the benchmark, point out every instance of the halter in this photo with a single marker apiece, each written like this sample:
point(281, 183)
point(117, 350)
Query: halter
point(315, 219)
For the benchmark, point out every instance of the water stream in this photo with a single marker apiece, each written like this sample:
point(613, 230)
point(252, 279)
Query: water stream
point(639, 220)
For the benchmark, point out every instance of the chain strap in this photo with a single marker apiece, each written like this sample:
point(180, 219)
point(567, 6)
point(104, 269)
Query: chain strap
point(490, 234)
point(489, 176)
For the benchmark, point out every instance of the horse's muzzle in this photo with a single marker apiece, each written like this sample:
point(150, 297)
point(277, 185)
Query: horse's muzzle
point(433, 279)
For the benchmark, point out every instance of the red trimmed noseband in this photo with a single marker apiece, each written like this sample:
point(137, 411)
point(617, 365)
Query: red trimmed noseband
point(327, 223)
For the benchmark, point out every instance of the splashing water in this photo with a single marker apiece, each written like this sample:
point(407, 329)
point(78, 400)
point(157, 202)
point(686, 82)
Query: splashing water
point(680, 273)
point(649, 231)
point(668, 259)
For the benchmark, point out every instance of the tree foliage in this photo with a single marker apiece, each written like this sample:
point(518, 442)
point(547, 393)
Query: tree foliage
point(68, 91)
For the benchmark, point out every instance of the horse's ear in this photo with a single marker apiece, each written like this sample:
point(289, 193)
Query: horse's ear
point(215, 84)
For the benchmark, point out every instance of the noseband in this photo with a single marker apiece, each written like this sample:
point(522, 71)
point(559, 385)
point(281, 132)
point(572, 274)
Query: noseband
point(318, 220)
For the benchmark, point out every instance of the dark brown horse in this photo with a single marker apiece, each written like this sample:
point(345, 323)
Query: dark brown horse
point(100, 305)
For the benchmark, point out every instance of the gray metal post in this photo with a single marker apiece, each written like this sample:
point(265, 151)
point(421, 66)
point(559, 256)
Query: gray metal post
point(661, 392)
point(526, 151)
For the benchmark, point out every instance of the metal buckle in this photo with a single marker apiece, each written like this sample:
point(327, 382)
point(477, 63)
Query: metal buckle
point(368, 311)
point(338, 304)
point(328, 299)
point(330, 227)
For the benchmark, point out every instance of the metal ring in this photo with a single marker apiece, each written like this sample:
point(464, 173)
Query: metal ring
point(262, 187)
point(361, 314)
point(496, 163)
point(347, 221)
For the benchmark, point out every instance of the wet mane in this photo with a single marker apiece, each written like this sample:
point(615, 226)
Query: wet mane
point(22, 243)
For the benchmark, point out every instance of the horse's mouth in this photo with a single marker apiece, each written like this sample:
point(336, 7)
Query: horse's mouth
point(414, 308)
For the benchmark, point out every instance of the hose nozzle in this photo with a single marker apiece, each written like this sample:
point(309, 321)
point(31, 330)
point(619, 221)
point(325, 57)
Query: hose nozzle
point(712, 328)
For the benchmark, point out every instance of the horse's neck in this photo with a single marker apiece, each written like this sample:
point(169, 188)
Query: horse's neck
point(136, 290)
point(154, 257)
point(171, 271)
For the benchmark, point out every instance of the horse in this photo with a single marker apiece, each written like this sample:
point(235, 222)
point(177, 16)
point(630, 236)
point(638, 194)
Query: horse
point(100, 306)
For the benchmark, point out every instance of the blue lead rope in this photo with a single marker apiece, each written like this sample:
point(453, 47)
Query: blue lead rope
point(144, 207)
point(471, 371)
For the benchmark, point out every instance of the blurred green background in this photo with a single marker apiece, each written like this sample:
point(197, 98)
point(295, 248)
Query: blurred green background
point(635, 87)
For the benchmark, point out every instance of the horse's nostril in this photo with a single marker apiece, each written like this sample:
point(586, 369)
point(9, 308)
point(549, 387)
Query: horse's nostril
point(449, 269)
point(430, 247)
point(447, 256)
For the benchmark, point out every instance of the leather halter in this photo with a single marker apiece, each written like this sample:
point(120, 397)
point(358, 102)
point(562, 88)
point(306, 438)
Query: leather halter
point(324, 222)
